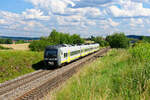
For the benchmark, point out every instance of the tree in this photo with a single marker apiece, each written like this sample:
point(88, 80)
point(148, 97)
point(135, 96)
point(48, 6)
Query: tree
point(118, 40)
point(76, 39)
point(55, 38)
point(100, 40)
point(39, 45)
point(63, 38)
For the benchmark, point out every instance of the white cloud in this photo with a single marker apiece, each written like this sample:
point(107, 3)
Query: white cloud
point(34, 14)
point(54, 6)
point(31, 25)
point(16, 22)
point(64, 7)
point(8, 17)
point(112, 23)
point(2, 21)
point(136, 22)
point(79, 16)
point(90, 23)
point(129, 9)
point(93, 13)
point(70, 21)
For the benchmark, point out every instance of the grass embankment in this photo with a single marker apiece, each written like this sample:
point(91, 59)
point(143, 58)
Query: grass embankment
point(121, 75)
point(16, 63)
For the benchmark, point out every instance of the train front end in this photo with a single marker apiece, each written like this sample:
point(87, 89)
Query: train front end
point(51, 56)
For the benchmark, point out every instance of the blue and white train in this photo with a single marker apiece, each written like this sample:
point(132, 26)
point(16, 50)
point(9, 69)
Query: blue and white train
point(61, 54)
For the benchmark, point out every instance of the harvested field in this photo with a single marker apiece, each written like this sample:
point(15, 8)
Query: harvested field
point(17, 46)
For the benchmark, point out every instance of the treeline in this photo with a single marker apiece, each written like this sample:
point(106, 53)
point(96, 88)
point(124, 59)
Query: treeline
point(6, 41)
point(55, 38)
point(21, 41)
point(116, 40)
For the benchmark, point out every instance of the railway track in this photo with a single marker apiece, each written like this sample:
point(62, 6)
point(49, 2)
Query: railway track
point(35, 85)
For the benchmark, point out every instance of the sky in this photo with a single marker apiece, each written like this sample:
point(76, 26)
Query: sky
point(36, 18)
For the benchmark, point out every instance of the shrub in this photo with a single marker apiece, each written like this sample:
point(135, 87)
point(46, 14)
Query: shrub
point(102, 42)
point(39, 45)
point(76, 39)
point(118, 40)
point(6, 41)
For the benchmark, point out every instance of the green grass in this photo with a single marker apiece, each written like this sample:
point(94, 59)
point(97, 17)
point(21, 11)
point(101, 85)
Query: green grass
point(16, 63)
point(121, 75)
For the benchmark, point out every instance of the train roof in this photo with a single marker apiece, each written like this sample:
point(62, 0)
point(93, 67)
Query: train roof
point(63, 45)
point(54, 46)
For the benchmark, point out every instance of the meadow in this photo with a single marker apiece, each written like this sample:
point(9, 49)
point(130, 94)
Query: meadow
point(123, 74)
point(14, 63)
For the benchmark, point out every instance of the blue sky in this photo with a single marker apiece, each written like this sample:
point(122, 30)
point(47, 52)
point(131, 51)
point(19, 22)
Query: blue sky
point(85, 17)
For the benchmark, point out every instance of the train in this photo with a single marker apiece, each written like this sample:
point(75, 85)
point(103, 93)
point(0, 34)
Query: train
point(58, 55)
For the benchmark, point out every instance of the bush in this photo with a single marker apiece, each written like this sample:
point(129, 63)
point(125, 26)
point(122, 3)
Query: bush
point(118, 40)
point(6, 41)
point(102, 42)
point(76, 39)
point(39, 45)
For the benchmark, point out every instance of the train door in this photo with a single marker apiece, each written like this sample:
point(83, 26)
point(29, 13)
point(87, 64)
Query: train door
point(68, 57)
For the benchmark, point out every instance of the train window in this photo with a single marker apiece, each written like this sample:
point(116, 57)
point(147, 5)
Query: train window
point(88, 49)
point(75, 52)
point(61, 52)
point(65, 55)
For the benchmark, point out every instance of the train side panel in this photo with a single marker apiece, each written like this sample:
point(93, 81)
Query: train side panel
point(70, 53)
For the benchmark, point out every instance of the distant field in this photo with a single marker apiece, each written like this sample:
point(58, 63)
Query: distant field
point(17, 46)
point(88, 41)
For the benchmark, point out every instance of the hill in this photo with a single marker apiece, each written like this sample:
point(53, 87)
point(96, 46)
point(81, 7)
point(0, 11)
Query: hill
point(20, 38)
point(136, 36)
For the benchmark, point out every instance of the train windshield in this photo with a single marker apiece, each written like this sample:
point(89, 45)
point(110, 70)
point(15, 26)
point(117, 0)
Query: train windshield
point(51, 53)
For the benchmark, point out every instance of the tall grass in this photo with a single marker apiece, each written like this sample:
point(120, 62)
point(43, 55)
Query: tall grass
point(16, 63)
point(121, 75)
